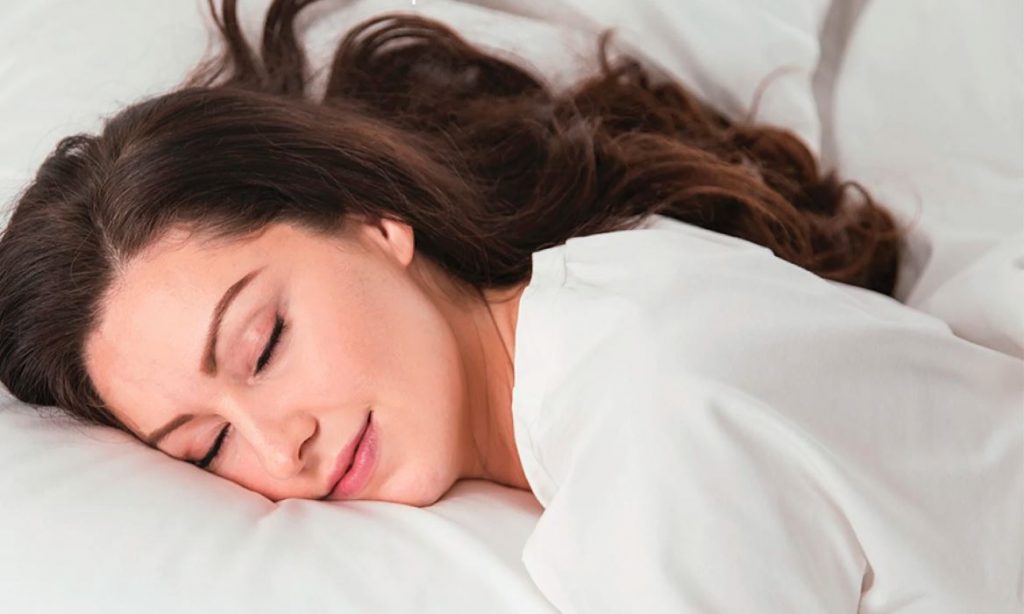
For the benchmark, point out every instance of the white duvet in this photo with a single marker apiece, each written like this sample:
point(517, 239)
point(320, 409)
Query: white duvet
point(712, 429)
point(920, 100)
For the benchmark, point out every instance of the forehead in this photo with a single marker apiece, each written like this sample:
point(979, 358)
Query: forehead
point(154, 318)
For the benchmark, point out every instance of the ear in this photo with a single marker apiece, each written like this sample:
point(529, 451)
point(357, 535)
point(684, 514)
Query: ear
point(394, 237)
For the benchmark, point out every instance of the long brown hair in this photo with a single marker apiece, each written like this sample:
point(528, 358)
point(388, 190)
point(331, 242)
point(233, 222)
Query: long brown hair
point(483, 160)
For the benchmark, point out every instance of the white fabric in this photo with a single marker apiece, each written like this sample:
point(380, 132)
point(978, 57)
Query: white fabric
point(91, 521)
point(929, 115)
point(734, 52)
point(712, 429)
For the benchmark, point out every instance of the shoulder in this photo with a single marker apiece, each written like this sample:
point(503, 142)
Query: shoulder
point(661, 243)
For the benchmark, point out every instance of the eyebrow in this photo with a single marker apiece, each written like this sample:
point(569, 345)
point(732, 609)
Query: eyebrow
point(165, 430)
point(208, 363)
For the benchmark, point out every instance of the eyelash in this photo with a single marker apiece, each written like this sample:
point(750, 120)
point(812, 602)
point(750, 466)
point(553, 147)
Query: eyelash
point(279, 326)
point(261, 363)
point(206, 460)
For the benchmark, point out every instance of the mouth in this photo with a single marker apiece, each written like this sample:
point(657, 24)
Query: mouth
point(346, 458)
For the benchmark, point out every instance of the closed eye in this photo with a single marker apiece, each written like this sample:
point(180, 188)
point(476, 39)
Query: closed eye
point(212, 454)
point(268, 351)
point(264, 359)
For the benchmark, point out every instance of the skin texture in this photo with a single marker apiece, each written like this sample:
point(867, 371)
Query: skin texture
point(369, 325)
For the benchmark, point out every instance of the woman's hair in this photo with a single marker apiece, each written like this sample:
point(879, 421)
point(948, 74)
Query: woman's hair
point(480, 157)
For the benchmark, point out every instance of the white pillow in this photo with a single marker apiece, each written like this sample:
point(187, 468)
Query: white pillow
point(928, 116)
point(93, 521)
point(722, 50)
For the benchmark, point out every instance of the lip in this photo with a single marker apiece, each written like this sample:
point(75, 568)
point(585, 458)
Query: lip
point(345, 458)
point(359, 459)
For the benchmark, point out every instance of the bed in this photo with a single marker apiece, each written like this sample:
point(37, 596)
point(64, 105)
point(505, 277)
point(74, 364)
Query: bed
point(892, 94)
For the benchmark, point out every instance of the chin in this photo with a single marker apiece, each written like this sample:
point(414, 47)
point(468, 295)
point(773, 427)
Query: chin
point(420, 493)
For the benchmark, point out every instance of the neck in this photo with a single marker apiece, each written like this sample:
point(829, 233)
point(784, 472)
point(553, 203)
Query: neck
point(493, 454)
point(484, 324)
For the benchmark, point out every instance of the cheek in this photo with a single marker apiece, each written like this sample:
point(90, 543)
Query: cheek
point(422, 382)
point(408, 345)
point(419, 462)
point(339, 360)
point(243, 467)
point(366, 332)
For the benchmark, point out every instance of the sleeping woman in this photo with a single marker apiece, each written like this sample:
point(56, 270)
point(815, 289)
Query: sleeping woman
point(667, 324)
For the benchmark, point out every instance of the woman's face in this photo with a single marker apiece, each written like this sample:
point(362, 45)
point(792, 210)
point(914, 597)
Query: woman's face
point(366, 328)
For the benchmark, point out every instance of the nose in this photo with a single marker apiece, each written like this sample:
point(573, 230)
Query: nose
point(280, 443)
point(279, 438)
